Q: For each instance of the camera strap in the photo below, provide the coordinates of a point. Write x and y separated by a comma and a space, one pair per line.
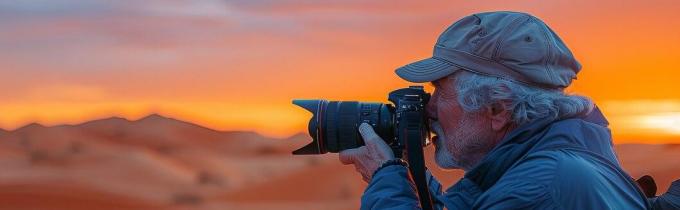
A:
416, 158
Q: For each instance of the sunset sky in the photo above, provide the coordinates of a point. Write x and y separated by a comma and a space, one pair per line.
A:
236, 65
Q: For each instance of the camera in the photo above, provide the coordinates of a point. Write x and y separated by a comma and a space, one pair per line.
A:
334, 124
403, 125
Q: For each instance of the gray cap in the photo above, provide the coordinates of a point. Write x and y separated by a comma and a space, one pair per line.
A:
510, 45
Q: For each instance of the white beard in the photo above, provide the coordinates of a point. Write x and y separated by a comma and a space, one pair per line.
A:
442, 155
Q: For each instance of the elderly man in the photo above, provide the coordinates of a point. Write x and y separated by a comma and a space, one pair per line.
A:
500, 113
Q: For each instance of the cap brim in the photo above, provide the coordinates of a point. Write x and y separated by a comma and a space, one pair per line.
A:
426, 70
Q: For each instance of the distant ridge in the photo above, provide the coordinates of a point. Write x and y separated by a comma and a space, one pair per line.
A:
156, 116
157, 132
151, 118
30, 126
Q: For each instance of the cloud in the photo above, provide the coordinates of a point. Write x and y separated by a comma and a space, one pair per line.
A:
269, 51
21, 10
657, 118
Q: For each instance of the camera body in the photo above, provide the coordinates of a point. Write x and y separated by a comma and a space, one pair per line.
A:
334, 124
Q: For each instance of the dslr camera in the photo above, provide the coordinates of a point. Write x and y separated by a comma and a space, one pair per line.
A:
334, 124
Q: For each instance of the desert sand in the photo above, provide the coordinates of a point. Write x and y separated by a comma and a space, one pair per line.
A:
163, 163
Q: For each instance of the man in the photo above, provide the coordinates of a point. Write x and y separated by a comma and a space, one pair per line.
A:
500, 113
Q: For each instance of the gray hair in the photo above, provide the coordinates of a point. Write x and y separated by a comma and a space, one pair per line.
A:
526, 103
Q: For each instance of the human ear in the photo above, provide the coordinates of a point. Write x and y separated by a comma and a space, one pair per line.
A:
499, 115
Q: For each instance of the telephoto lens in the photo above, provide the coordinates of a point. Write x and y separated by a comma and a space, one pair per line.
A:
334, 124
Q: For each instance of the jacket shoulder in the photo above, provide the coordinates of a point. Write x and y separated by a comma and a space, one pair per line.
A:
565, 179
527, 185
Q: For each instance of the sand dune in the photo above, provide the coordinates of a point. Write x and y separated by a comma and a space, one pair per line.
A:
163, 163
660, 161
67, 196
317, 182
157, 161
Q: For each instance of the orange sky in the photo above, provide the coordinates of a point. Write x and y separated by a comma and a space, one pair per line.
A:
236, 65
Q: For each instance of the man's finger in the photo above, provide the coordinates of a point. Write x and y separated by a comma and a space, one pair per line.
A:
368, 134
349, 156
372, 139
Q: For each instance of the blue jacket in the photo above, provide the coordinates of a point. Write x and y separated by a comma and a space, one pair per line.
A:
564, 164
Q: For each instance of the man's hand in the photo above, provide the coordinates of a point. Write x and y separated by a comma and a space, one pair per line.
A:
368, 158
